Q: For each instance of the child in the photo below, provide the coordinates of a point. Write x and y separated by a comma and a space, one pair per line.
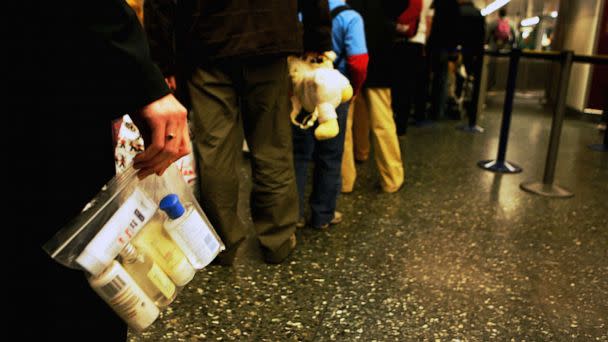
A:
348, 40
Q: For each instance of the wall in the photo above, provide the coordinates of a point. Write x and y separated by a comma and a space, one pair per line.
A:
580, 20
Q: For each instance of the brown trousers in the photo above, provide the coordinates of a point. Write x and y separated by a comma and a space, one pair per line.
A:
251, 98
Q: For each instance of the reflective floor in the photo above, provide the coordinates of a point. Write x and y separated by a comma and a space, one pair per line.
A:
459, 254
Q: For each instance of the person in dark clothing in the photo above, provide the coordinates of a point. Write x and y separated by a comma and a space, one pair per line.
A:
442, 43
409, 88
230, 58
74, 70
472, 33
372, 112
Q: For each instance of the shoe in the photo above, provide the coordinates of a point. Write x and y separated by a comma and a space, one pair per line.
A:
338, 217
282, 253
361, 160
301, 223
227, 257
382, 189
346, 191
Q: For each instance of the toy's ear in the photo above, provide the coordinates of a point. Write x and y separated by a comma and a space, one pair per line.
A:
330, 55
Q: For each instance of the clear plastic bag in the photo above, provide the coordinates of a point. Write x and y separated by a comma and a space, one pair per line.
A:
139, 242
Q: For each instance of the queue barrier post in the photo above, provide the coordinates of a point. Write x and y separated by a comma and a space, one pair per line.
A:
546, 187
500, 165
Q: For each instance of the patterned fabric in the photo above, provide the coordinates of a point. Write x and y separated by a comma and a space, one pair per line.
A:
128, 143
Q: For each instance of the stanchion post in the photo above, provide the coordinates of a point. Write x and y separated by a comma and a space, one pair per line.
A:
546, 187
500, 165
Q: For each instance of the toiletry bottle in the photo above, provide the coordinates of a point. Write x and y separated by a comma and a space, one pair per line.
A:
117, 288
188, 229
151, 278
154, 241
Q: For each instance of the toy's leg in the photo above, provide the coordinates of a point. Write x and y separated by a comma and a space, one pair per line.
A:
296, 107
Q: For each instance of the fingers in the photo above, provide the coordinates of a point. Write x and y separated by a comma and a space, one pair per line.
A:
169, 139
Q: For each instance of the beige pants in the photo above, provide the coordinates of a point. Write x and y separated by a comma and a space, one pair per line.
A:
371, 111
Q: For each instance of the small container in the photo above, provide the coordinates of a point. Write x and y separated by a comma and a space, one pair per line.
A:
155, 242
148, 275
117, 288
189, 231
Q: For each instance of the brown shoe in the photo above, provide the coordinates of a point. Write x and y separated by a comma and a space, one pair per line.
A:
227, 257
282, 253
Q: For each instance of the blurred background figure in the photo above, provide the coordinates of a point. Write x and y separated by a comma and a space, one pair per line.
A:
409, 87
372, 110
442, 43
471, 38
502, 33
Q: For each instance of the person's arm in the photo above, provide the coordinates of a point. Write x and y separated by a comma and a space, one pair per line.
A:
317, 25
357, 57
113, 26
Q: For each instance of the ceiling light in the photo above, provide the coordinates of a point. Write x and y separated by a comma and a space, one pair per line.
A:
494, 6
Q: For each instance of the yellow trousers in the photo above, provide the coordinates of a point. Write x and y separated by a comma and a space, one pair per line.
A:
371, 111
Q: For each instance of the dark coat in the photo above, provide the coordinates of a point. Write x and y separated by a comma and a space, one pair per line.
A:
380, 18
471, 28
75, 66
194, 32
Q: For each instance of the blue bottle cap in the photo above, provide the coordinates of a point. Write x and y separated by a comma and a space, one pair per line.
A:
171, 205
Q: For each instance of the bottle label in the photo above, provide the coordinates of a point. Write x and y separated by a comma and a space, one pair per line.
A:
126, 222
198, 237
127, 299
161, 281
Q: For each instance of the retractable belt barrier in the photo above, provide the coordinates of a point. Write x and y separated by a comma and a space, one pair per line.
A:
546, 187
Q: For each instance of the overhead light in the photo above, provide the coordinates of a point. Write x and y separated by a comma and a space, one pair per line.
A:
554, 14
494, 6
530, 21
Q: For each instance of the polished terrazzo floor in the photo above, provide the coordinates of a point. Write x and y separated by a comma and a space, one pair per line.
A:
459, 254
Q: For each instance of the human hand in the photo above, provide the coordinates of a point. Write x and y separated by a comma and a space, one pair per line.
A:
400, 28
171, 82
164, 128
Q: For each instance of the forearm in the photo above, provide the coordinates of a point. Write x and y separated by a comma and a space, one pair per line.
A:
357, 69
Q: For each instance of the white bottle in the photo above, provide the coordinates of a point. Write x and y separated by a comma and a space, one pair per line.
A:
189, 231
117, 288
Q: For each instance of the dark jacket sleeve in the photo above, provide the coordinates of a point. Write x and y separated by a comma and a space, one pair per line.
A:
317, 25
114, 27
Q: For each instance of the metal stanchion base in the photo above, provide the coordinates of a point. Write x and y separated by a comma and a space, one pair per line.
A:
470, 129
547, 190
498, 166
599, 147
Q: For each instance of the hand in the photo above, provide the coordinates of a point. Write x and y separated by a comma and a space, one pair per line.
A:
164, 127
402, 28
171, 82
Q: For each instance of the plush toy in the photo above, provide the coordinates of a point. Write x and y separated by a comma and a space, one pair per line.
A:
318, 88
